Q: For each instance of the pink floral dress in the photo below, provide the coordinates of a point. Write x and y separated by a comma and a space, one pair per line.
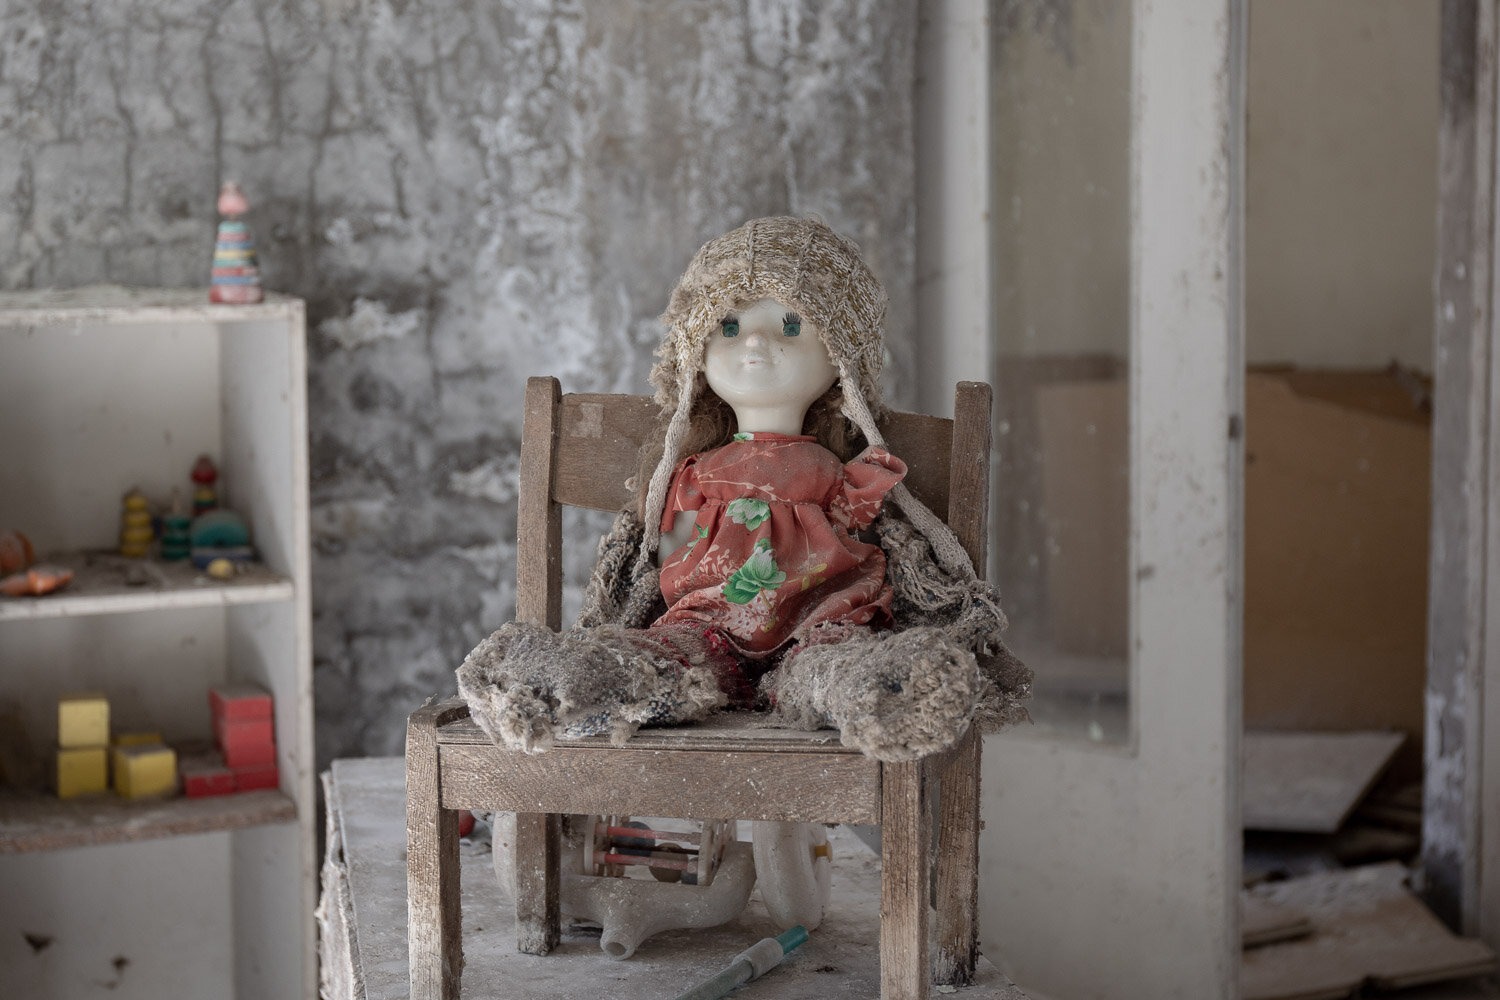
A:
772, 553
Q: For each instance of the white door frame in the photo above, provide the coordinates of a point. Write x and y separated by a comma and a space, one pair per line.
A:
1114, 872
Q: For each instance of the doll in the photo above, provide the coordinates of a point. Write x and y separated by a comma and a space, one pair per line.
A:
774, 559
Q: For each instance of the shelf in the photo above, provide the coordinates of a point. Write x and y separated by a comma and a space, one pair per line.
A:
105, 583
103, 389
34, 822
116, 304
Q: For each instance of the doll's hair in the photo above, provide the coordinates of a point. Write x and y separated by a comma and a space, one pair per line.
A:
711, 425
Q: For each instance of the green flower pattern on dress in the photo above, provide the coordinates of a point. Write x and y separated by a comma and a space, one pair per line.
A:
759, 573
699, 533
751, 513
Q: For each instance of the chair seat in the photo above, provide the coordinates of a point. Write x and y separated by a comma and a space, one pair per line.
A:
721, 768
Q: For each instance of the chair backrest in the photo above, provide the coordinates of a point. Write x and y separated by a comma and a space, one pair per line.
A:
580, 449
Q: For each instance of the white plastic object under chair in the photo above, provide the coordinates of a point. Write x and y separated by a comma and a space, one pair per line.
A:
794, 868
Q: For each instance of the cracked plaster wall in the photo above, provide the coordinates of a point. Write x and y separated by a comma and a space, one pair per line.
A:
466, 193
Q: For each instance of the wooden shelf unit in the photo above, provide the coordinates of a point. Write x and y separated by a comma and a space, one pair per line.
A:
101, 390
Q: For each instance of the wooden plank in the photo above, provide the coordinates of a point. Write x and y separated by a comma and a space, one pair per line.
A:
1310, 782
117, 305
106, 583
35, 822
335, 913
924, 442
1263, 922
727, 731
1463, 423
538, 517
808, 788
958, 863
600, 437
958, 770
968, 505
538, 885
1368, 927
905, 861
263, 379
435, 941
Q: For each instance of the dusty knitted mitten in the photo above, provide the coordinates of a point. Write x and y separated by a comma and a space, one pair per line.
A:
893, 695
526, 684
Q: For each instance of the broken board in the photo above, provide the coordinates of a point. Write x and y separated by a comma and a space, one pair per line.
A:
1310, 782
363, 921
1367, 927
1263, 922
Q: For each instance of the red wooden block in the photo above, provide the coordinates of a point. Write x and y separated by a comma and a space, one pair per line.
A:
239, 701
248, 754
243, 731
207, 779
249, 778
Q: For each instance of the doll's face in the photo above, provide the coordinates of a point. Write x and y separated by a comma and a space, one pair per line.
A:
768, 356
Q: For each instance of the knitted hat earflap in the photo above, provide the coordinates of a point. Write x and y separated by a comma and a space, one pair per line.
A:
661, 476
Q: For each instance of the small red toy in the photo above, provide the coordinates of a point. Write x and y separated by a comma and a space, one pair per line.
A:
239, 701
245, 733
206, 779
16, 552
247, 779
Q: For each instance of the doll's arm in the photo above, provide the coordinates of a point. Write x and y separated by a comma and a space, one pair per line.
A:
676, 536
867, 480
680, 512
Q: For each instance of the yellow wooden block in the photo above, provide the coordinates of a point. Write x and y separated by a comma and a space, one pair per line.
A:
143, 771
144, 738
82, 721
81, 771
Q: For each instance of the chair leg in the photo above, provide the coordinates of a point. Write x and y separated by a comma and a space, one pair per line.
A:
958, 863
433, 920
905, 852
538, 889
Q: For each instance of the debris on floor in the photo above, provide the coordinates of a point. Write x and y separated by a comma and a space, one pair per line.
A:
1265, 922
1366, 927
1306, 782
1311, 803
1327, 908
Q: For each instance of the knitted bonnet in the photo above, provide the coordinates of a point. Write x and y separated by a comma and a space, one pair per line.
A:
807, 267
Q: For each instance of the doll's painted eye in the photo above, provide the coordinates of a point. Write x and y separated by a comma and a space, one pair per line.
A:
791, 325
731, 326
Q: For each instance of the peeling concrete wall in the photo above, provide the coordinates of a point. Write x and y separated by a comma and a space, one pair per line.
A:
467, 194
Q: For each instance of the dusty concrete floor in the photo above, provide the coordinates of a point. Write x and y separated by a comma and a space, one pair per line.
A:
841, 959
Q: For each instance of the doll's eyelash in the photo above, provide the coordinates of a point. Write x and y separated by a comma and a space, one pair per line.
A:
791, 325
730, 326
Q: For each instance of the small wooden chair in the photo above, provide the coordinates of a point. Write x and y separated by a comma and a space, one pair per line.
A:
579, 449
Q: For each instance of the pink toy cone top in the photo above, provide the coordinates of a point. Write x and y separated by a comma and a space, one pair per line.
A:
236, 273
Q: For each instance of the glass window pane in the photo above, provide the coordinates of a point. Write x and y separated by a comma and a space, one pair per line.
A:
1061, 153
